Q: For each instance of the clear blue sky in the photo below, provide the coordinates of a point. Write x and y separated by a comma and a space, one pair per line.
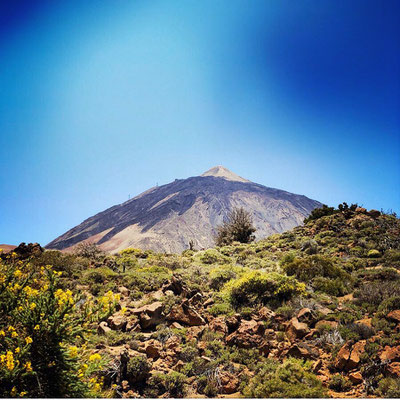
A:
102, 99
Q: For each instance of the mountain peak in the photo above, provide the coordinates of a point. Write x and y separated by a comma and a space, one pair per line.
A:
220, 171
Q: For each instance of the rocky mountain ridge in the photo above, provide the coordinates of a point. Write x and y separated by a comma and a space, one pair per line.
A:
167, 217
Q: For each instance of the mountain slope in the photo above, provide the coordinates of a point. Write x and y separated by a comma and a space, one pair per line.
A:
166, 218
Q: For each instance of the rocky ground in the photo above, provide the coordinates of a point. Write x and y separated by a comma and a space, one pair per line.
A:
314, 312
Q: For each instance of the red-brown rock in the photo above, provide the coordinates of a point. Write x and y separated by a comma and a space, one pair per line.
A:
305, 315
103, 328
229, 383
394, 315
303, 351
218, 325
153, 348
348, 357
150, 315
185, 314
394, 369
390, 354
117, 322
249, 334
296, 330
356, 378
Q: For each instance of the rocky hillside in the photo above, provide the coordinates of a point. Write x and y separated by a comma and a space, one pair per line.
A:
168, 217
313, 312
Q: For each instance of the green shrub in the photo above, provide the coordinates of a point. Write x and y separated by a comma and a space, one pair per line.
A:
334, 287
375, 293
378, 274
389, 387
307, 268
374, 254
219, 276
220, 309
173, 384
138, 369
292, 378
257, 287
339, 384
213, 256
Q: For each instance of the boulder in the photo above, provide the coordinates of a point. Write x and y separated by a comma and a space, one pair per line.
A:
296, 330
348, 356
124, 291
361, 210
176, 285
249, 334
265, 314
233, 322
103, 328
303, 351
317, 366
229, 383
153, 348
305, 315
196, 299
394, 369
356, 378
25, 251
342, 357
356, 352
185, 314
390, 354
117, 322
394, 315
218, 325
176, 325
150, 315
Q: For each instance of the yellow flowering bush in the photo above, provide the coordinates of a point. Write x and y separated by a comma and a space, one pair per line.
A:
40, 328
260, 287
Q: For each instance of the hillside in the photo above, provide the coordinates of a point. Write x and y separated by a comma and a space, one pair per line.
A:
313, 312
168, 217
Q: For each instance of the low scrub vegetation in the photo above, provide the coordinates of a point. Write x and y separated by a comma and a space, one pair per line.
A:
313, 312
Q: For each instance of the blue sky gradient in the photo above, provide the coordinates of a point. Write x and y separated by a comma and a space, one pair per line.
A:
100, 100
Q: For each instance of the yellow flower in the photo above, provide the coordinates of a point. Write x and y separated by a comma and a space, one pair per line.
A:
73, 351
95, 357
17, 350
36, 328
28, 340
32, 306
28, 366
2, 333
10, 361
17, 273
11, 328
22, 394
20, 308
14, 334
